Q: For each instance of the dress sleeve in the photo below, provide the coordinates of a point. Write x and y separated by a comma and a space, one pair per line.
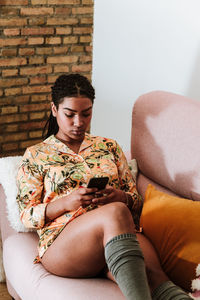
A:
128, 184
30, 192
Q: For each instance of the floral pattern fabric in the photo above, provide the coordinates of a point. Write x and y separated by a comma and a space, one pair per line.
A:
50, 170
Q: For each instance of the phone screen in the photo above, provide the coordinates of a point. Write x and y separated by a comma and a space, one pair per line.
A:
98, 182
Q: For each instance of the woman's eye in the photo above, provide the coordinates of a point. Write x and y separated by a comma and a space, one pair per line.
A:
69, 116
86, 115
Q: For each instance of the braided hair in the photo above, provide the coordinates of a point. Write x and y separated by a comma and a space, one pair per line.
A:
71, 85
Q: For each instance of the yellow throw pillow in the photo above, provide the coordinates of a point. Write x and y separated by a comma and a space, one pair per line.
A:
173, 226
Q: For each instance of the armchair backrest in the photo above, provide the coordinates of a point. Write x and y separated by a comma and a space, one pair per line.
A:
165, 141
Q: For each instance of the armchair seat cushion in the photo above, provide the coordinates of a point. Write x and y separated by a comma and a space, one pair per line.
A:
40, 284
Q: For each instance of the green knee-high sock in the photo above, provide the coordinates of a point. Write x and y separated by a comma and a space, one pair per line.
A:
126, 263
169, 291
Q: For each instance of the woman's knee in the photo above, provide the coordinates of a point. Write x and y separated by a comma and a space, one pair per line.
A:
117, 211
116, 220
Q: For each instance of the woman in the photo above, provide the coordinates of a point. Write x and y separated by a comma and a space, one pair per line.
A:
54, 198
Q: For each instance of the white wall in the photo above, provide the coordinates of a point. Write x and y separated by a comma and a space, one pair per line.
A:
140, 46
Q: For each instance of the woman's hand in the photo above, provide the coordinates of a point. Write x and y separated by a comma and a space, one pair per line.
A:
108, 195
80, 197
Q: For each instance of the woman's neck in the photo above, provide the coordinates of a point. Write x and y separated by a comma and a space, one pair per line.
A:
73, 145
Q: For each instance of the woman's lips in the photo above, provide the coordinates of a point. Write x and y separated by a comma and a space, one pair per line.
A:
78, 132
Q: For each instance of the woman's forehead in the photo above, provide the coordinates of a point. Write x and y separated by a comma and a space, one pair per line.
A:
76, 103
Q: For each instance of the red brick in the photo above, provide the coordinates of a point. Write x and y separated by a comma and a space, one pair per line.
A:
36, 11
70, 40
35, 107
26, 51
87, 2
62, 21
61, 69
63, 30
62, 10
36, 41
9, 52
36, 89
13, 118
35, 134
15, 137
86, 39
13, 81
88, 20
32, 125
37, 115
11, 31
9, 11
9, 72
82, 68
77, 48
61, 2
24, 145
36, 70
38, 80
60, 50
88, 48
38, 2
38, 98
11, 128
53, 40
9, 146
9, 22
36, 21
82, 30
13, 91
62, 59
7, 100
43, 51
22, 99
82, 10
36, 60
16, 2
37, 31
52, 78
13, 42
85, 58
9, 110
1, 92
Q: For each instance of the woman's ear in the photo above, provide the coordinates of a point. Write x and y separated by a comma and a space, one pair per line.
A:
53, 109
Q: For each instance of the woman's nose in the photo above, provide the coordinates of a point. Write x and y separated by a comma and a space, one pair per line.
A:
78, 121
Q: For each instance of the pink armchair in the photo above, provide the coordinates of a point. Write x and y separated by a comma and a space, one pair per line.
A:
165, 142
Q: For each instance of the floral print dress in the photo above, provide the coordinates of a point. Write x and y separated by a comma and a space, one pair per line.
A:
50, 170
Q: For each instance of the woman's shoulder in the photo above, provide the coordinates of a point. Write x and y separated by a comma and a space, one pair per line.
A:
41, 147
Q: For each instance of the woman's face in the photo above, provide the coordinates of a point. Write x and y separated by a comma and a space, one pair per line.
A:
73, 117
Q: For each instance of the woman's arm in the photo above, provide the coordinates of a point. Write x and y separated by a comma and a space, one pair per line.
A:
30, 189
126, 191
33, 212
79, 197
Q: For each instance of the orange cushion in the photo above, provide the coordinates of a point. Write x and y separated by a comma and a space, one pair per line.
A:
173, 226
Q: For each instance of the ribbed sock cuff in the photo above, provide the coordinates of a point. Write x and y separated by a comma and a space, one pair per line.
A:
168, 291
123, 236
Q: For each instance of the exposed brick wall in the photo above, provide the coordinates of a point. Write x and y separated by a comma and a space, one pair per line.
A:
40, 39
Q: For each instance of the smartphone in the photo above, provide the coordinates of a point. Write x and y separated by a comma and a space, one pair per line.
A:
98, 182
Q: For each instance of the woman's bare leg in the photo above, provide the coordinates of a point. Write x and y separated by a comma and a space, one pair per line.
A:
79, 249
155, 274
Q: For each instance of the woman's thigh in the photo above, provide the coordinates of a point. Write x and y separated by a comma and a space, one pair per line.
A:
78, 251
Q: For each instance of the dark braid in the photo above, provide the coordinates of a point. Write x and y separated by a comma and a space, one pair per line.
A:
71, 85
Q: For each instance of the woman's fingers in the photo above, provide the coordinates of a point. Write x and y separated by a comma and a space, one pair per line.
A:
105, 198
